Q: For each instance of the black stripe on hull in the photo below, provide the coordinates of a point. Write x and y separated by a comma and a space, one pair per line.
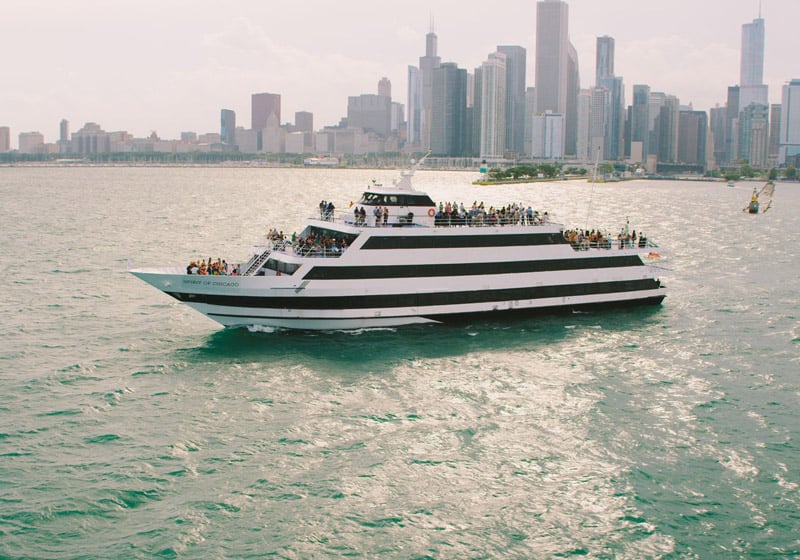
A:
387, 301
467, 269
478, 315
463, 241
549, 310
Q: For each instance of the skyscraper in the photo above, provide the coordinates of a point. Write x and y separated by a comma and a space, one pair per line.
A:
573, 90
493, 106
752, 62
385, 87
692, 133
304, 121
515, 96
667, 128
227, 126
414, 121
751, 74
266, 109
63, 136
640, 123
754, 134
557, 75
790, 121
370, 112
615, 110
552, 55
449, 110
604, 67
427, 64
5, 139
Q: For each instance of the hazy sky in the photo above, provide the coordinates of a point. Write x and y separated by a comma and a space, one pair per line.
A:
171, 65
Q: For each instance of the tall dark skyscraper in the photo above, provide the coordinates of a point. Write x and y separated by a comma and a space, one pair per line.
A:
449, 110
266, 107
604, 67
640, 122
227, 129
515, 96
427, 64
615, 110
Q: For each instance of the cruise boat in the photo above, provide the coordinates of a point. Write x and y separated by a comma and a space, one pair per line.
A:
418, 264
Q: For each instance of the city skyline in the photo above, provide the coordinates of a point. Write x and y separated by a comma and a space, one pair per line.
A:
128, 70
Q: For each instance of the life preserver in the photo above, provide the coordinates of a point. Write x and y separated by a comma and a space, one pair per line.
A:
431, 212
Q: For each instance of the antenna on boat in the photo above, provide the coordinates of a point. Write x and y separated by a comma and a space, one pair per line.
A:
404, 182
591, 192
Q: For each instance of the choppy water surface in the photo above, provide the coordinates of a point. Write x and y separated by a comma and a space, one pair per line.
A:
134, 427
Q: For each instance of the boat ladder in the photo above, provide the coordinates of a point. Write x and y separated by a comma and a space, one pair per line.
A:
256, 263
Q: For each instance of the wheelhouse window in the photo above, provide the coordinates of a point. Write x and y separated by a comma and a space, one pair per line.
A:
282, 267
381, 199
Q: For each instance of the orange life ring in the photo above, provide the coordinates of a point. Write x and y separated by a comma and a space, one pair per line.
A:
431, 212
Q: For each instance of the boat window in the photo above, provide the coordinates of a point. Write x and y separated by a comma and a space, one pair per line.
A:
379, 199
280, 266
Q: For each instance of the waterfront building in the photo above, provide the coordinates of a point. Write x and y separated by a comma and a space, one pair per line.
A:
266, 108
754, 135
448, 115
548, 135
515, 96
370, 112
493, 106
5, 139
295, 143
31, 142
91, 139
790, 122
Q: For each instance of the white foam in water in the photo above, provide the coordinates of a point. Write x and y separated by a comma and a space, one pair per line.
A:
261, 328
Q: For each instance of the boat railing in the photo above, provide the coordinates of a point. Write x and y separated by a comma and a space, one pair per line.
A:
439, 221
613, 244
257, 261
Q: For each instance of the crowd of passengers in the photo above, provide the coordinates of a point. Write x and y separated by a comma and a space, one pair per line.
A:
212, 268
455, 214
585, 239
313, 244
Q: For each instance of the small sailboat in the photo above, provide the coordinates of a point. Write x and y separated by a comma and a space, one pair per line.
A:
761, 197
